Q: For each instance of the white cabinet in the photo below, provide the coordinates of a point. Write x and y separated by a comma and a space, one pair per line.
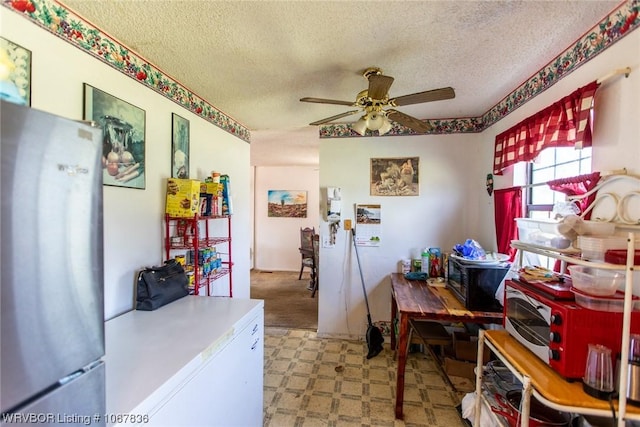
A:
194, 362
227, 390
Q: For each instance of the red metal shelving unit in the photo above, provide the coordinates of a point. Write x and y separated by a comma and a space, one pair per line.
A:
195, 239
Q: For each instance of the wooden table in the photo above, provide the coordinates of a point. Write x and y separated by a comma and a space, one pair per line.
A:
415, 299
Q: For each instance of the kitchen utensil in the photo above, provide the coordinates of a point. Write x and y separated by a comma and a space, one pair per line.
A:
634, 348
633, 383
633, 370
598, 374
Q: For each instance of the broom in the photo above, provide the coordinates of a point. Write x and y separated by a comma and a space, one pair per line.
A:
374, 336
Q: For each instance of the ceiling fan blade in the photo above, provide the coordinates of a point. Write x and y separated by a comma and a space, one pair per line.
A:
379, 86
332, 118
328, 101
408, 121
428, 96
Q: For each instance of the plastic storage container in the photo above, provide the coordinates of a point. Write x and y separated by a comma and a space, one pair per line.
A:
596, 281
619, 256
541, 232
603, 303
594, 247
597, 228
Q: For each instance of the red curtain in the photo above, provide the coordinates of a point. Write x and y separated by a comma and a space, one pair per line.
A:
508, 207
577, 186
566, 123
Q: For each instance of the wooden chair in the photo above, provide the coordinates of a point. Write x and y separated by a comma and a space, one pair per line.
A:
306, 250
315, 272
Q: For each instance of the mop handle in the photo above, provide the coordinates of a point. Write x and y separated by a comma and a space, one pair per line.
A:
364, 290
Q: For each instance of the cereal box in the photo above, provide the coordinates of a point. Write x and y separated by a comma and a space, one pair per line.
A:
214, 188
205, 203
183, 197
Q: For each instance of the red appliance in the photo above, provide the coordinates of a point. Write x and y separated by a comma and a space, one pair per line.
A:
619, 256
555, 290
559, 331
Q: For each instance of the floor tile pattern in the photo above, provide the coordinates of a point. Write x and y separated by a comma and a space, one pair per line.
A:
311, 381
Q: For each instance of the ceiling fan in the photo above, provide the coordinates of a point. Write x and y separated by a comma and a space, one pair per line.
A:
373, 101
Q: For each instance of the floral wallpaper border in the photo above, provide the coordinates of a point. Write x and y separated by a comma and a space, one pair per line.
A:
60, 21
68, 26
612, 28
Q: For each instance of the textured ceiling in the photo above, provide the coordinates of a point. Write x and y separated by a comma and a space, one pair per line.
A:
254, 60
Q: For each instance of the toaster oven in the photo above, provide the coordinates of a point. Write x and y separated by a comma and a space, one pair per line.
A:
559, 331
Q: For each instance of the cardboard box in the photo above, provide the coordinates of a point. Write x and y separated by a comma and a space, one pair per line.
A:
183, 197
213, 188
465, 347
459, 368
205, 203
227, 208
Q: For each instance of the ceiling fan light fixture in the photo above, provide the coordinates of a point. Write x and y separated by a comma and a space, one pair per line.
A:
386, 126
360, 127
375, 120
373, 100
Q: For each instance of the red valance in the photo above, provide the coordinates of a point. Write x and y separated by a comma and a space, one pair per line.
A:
565, 123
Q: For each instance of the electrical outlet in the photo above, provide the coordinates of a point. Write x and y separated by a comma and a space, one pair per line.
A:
347, 224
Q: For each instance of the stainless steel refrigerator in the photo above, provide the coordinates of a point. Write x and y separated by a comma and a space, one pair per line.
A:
51, 261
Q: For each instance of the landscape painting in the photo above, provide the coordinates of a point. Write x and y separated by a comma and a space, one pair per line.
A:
287, 203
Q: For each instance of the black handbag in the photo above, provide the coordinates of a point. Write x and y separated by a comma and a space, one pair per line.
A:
158, 286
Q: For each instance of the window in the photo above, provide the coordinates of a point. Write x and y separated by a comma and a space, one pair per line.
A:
553, 163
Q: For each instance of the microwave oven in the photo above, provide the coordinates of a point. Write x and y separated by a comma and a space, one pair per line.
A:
475, 285
559, 331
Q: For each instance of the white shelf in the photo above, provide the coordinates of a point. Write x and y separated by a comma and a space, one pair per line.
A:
546, 385
538, 379
569, 257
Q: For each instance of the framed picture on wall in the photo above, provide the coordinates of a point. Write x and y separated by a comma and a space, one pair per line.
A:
123, 134
15, 73
179, 147
397, 176
287, 203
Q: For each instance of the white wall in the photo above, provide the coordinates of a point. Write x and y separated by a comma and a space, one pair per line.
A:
133, 217
616, 142
277, 239
453, 204
439, 216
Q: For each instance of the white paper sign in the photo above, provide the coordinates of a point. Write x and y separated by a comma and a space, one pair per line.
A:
368, 225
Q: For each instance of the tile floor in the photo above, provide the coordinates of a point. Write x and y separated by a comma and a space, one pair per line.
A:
328, 382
